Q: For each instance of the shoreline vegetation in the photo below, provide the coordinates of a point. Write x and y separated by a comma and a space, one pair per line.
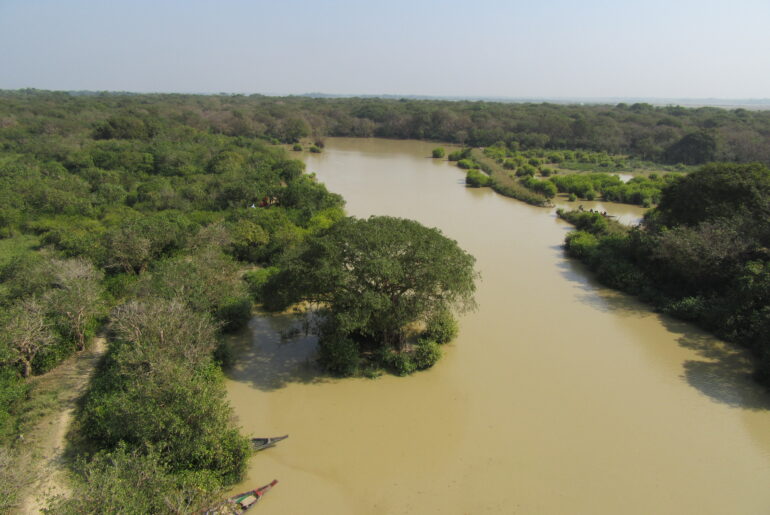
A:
164, 218
701, 255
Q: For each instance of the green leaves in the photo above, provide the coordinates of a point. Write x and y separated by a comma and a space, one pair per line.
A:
376, 277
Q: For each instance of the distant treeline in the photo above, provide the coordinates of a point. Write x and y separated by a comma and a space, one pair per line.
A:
671, 134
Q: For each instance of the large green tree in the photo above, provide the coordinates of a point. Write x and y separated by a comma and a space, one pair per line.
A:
375, 278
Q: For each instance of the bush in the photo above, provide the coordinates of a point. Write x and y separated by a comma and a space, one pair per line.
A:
401, 363
456, 155
256, 280
581, 244
426, 355
315, 149
466, 164
526, 170
234, 312
438, 153
441, 328
297, 147
121, 481
338, 354
13, 392
476, 179
687, 308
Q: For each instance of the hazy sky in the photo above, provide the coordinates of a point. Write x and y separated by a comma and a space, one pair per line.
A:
545, 48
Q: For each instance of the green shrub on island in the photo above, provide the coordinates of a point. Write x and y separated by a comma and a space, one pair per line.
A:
315, 149
297, 147
338, 353
545, 188
581, 244
426, 354
477, 179
467, 164
526, 170
441, 327
400, 363
458, 155
438, 153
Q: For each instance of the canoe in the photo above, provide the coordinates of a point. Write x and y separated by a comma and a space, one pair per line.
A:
257, 444
241, 503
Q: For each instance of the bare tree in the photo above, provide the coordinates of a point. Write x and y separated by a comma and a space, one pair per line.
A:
164, 329
76, 297
27, 332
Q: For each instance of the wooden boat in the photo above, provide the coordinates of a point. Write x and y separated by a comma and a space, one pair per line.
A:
241, 503
257, 444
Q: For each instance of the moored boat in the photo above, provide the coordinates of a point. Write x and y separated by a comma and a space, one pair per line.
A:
241, 503
257, 444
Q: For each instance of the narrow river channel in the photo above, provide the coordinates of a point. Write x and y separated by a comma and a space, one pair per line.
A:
558, 396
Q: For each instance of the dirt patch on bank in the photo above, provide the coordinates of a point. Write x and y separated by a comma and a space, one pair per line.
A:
46, 442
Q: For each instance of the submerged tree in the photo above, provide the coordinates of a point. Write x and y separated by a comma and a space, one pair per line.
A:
375, 277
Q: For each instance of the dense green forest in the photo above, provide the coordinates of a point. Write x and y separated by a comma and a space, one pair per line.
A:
666, 134
140, 225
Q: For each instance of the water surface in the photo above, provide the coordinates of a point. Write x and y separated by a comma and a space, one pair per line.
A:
558, 396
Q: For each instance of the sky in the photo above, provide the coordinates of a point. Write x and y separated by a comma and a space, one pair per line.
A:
485, 48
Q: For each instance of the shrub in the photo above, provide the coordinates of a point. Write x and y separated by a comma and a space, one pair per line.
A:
256, 281
466, 164
234, 312
476, 179
438, 152
526, 170
441, 327
687, 308
315, 149
400, 362
338, 354
581, 244
426, 355
120, 481
297, 147
456, 155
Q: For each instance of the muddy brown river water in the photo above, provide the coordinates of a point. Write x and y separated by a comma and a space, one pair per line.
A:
558, 396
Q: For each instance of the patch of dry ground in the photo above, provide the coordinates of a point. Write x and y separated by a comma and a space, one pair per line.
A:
46, 441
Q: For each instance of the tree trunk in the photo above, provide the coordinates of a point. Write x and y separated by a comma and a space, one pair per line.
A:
27, 367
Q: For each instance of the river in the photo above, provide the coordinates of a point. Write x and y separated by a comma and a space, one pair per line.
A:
558, 396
